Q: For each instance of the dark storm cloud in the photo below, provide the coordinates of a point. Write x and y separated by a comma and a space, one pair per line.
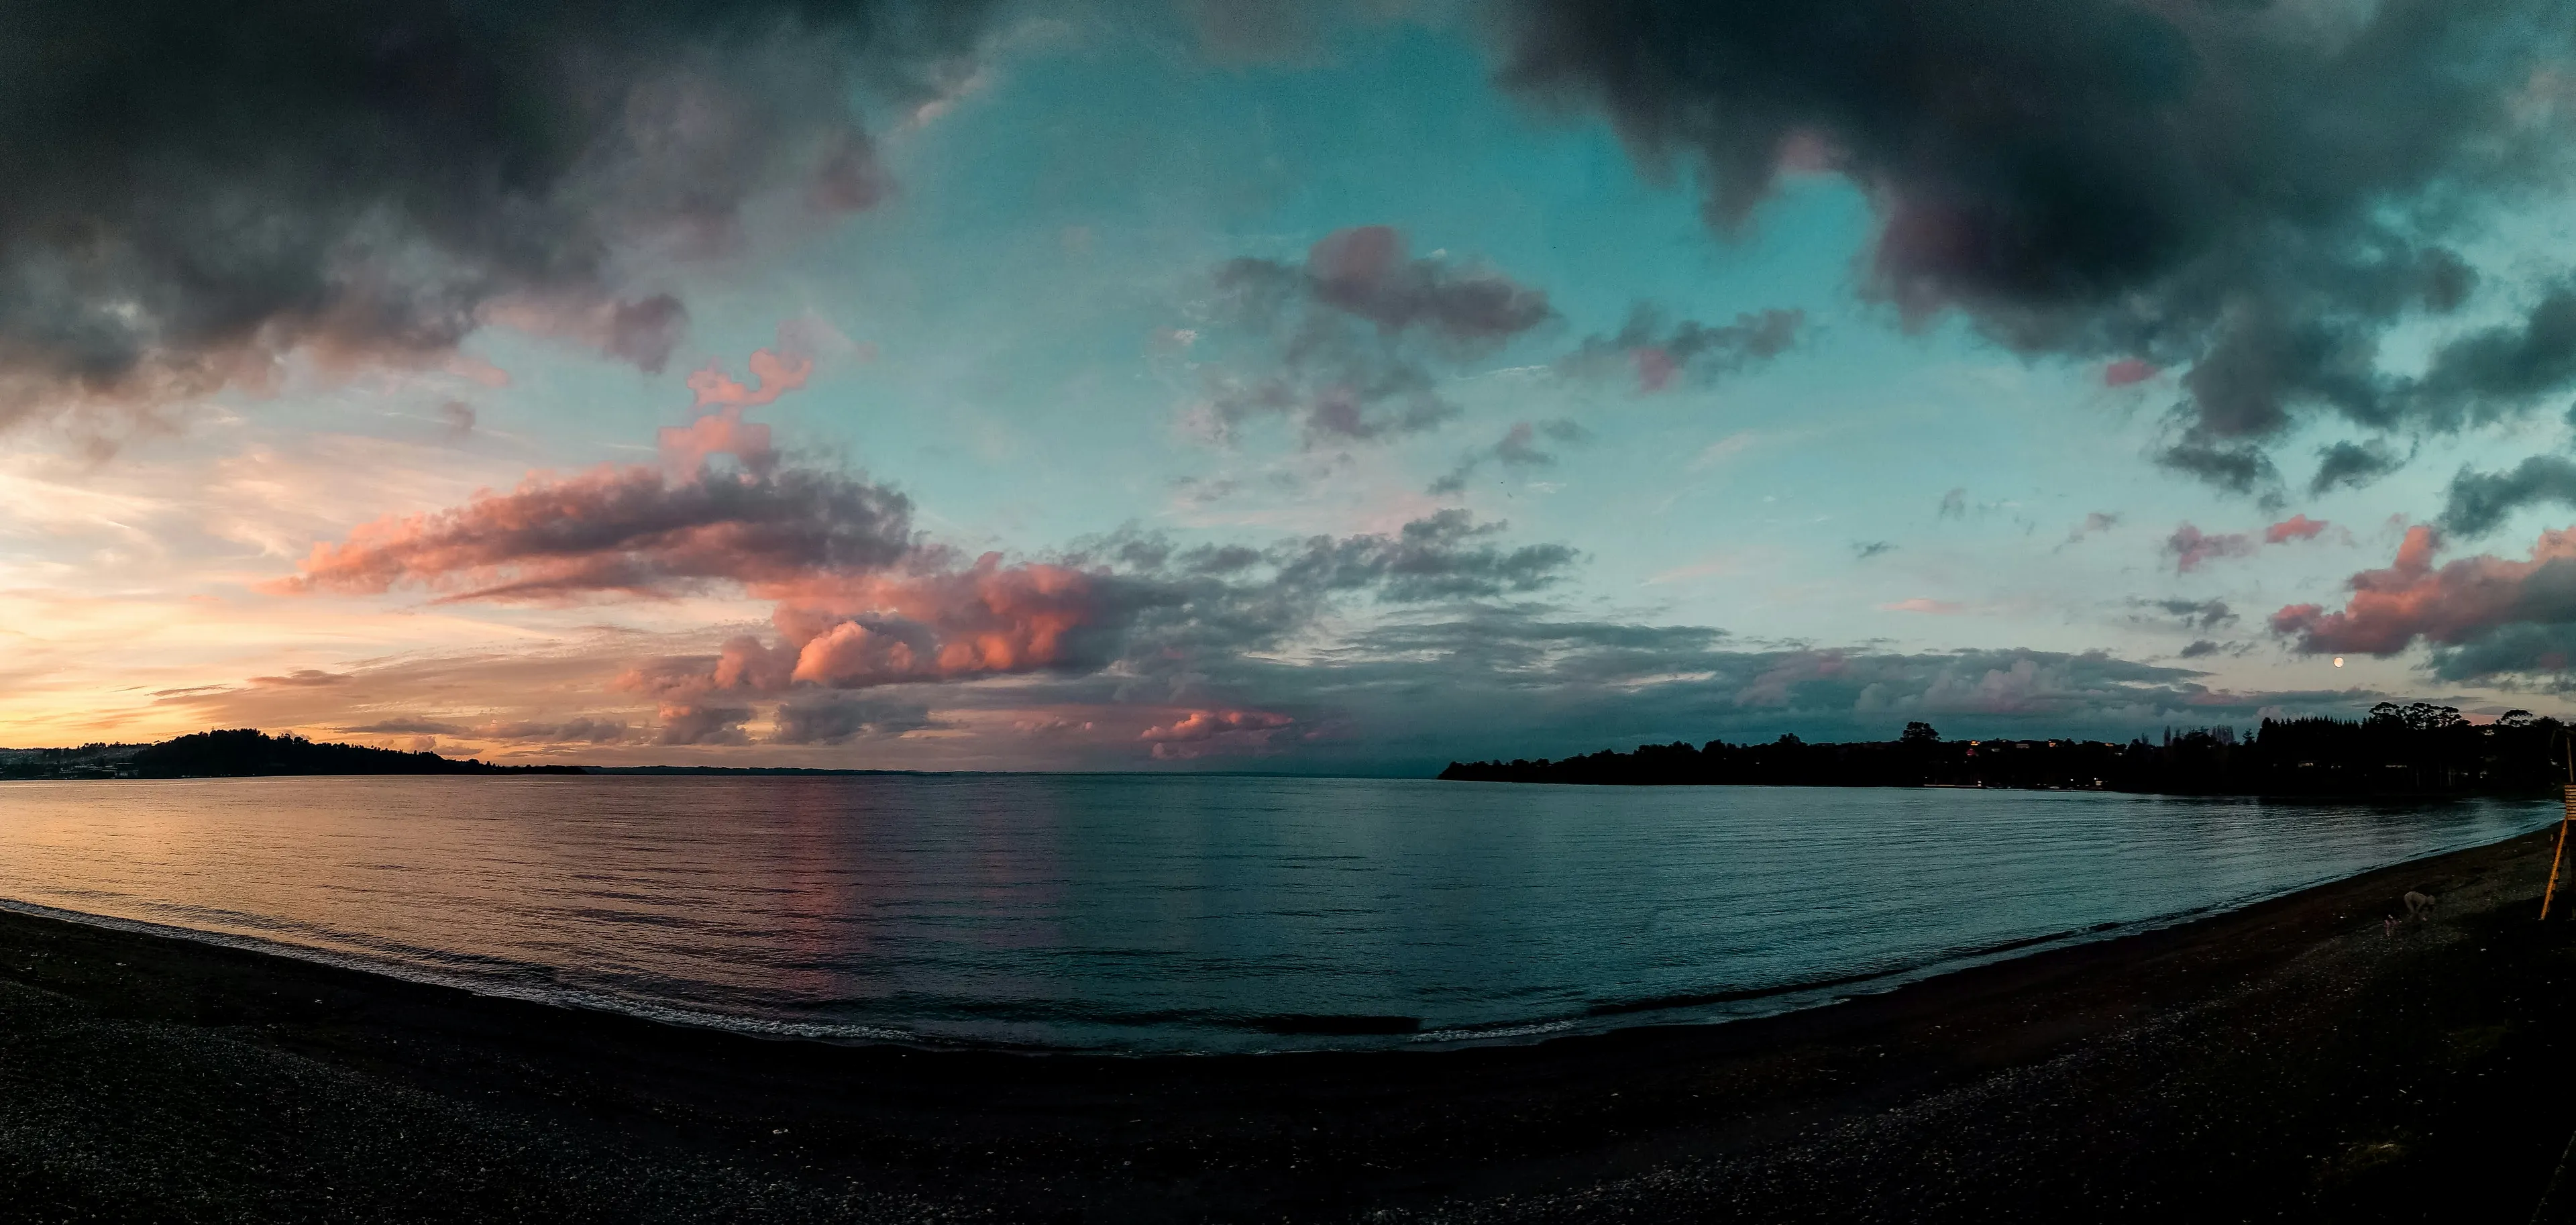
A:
1657, 354
196, 191
1346, 344
2254, 192
2497, 369
2351, 465
2238, 468
2480, 501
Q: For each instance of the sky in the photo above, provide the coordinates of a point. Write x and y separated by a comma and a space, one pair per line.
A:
1191, 384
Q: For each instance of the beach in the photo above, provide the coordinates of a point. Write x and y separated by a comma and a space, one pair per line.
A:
2290, 1060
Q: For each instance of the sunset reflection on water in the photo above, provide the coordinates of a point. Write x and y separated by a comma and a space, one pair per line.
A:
1146, 912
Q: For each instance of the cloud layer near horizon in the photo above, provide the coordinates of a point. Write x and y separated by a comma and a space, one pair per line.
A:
1444, 682
862, 600
1372, 650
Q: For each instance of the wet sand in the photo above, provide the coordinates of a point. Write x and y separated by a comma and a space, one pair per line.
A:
2285, 1061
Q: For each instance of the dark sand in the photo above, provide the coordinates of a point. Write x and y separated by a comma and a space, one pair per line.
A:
2287, 1061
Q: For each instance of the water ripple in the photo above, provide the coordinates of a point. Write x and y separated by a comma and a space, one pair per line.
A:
1168, 913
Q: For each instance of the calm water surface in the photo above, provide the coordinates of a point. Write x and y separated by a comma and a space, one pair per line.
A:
1166, 913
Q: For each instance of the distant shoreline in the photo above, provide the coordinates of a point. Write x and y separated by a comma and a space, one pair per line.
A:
2413, 751
2322, 797
784, 770
573, 770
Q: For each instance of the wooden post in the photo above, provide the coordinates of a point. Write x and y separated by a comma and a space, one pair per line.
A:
2566, 815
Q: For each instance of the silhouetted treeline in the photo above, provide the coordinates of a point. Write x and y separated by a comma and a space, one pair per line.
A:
2397, 750
93, 760
241, 752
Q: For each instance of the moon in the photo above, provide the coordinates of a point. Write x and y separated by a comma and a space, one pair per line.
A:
2338, 661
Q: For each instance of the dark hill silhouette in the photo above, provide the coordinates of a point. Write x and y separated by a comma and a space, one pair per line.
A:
243, 752
2397, 750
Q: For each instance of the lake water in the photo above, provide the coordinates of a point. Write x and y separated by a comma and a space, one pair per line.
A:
1162, 912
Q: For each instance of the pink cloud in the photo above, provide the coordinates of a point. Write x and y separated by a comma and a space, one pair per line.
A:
772, 375
2391, 608
1206, 724
985, 620
2296, 527
687, 448
1920, 604
858, 599
858, 630
632, 530
2189, 546
2126, 371
1200, 731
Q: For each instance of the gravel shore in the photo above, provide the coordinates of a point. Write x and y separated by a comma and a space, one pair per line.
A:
2289, 1061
